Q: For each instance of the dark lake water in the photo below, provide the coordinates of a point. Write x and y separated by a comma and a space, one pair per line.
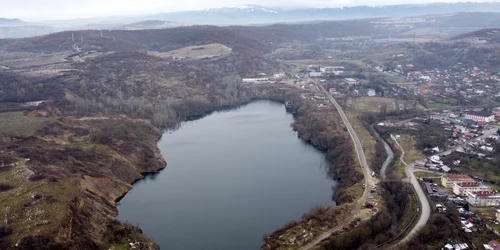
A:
231, 177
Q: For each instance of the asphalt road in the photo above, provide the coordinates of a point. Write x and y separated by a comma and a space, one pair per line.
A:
366, 172
424, 203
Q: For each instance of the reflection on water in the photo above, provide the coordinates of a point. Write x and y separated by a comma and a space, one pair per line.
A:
231, 177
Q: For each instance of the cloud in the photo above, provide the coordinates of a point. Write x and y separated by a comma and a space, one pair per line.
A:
35, 10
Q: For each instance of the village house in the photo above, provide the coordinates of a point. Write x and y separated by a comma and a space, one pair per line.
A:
480, 116
350, 81
449, 180
315, 74
483, 198
256, 80
464, 187
332, 69
457, 246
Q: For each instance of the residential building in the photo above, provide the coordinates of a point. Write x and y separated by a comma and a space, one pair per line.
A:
496, 111
332, 69
480, 116
351, 81
256, 80
483, 198
464, 187
315, 74
448, 180
456, 246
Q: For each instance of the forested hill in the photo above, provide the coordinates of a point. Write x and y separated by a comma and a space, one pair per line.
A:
255, 39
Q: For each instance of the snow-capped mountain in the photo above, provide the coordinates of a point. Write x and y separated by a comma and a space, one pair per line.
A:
254, 14
242, 8
470, 14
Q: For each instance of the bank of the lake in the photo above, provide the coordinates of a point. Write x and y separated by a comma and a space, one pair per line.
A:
231, 177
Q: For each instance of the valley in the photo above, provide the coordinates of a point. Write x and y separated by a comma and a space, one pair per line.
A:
83, 115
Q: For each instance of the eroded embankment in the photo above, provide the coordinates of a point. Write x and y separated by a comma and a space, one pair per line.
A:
66, 178
323, 128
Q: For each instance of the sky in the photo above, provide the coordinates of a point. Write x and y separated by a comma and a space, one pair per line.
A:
38, 10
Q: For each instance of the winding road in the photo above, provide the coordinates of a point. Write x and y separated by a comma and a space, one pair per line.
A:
425, 206
366, 172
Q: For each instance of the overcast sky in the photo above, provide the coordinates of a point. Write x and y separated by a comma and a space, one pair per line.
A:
37, 10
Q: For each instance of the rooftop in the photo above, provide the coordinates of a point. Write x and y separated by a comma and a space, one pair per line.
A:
485, 194
457, 177
470, 184
483, 114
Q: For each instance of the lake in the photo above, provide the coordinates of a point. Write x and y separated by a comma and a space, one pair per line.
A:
231, 177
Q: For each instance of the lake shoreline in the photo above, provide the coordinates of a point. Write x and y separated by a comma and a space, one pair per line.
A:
289, 130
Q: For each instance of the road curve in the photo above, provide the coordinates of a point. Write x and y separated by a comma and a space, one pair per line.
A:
366, 172
425, 207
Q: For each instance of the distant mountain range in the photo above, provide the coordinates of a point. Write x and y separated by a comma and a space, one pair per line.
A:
7, 21
259, 15
253, 14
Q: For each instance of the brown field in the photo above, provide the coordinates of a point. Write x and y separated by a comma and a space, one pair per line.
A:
373, 104
196, 52
407, 39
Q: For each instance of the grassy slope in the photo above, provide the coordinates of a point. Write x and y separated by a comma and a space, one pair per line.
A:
364, 135
411, 153
16, 124
46, 206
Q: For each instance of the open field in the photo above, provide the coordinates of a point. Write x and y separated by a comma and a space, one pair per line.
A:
411, 152
332, 62
400, 169
406, 40
369, 143
45, 203
426, 175
373, 104
398, 80
196, 52
16, 60
16, 124
438, 105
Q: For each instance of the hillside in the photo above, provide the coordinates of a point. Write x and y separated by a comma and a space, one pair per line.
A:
240, 38
93, 127
486, 35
